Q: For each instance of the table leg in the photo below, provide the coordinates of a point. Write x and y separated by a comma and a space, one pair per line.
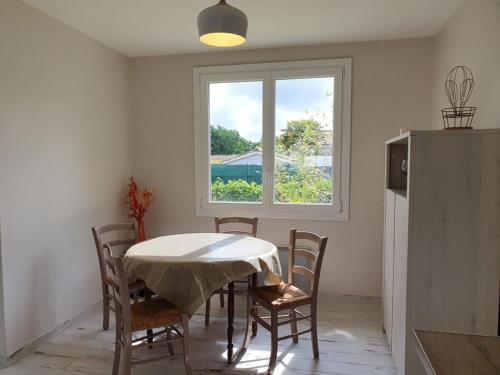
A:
248, 312
230, 321
255, 282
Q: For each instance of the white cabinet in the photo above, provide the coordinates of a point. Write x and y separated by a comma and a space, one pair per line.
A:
388, 262
442, 237
400, 279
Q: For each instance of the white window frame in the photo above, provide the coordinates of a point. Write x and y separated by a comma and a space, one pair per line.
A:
268, 73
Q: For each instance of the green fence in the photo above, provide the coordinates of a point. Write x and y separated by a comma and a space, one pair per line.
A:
248, 172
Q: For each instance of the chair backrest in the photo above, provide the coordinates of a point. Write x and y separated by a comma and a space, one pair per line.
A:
117, 280
121, 235
314, 254
237, 220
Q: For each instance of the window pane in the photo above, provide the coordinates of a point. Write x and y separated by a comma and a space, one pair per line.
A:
304, 141
236, 139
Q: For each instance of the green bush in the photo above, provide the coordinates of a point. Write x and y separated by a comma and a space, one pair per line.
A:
236, 191
302, 184
296, 191
288, 189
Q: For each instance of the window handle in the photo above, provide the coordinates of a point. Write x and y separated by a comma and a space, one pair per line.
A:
268, 176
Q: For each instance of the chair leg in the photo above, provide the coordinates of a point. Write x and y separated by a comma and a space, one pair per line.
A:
274, 342
105, 311
314, 331
118, 344
293, 326
147, 295
254, 326
169, 344
185, 343
221, 296
207, 312
147, 298
149, 333
127, 352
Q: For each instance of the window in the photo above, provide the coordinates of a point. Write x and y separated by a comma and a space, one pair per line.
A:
273, 140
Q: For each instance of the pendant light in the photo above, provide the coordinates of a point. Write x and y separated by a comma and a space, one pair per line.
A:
222, 25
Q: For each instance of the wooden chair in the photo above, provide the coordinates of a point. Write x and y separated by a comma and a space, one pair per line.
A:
252, 222
145, 315
123, 236
287, 297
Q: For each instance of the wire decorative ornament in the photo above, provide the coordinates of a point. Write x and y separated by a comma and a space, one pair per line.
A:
458, 86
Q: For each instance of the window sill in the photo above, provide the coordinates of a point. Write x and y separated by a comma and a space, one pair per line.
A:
299, 213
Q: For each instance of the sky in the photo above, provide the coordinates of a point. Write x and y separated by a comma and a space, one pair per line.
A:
238, 105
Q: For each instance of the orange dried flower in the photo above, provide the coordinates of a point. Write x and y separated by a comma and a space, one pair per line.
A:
138, 203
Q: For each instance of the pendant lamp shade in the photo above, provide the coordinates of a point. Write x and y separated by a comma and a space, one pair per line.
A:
222, 25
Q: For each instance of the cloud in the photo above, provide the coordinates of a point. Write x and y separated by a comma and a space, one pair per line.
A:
238, 105
283, 115
322, 114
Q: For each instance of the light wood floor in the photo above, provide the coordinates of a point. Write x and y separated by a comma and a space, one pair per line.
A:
351, 342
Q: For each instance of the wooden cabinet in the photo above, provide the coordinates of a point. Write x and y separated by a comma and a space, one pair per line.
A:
442, 237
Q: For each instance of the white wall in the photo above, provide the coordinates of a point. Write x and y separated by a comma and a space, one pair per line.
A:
64, 146
391, 90
472, 38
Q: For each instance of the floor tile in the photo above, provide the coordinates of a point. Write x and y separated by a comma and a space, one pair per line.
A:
351, 343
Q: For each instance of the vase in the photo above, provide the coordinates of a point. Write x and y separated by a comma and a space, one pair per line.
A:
140, 230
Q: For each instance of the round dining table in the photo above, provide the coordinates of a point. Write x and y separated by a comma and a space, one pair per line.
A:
186, 269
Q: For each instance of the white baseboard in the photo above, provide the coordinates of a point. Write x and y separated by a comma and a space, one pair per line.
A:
6, 361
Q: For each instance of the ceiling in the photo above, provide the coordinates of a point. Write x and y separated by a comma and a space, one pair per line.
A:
161, 27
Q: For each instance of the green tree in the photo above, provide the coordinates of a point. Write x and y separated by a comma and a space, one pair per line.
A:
302, 182
301, 133
229, 142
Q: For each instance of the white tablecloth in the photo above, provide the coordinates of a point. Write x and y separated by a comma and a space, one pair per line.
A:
187, 268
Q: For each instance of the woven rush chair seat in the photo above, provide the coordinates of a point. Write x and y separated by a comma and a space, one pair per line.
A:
280, 297
156, 313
